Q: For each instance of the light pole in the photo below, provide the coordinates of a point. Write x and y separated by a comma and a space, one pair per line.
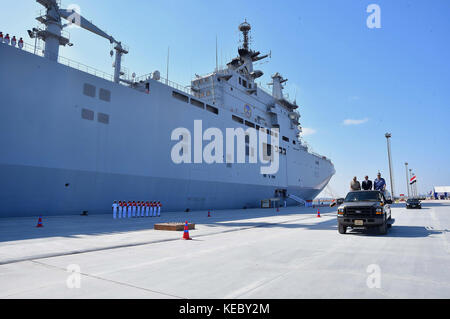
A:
414, 186
407, 179
388, 136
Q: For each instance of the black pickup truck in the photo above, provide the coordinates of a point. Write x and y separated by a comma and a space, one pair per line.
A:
413, 203
364, 209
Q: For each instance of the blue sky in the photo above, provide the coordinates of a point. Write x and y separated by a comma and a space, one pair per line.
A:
394, 79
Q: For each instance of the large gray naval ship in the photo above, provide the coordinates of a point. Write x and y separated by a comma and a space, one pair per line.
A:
74, 139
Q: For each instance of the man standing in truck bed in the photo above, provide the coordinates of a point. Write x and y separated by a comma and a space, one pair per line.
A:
355, 185
379, 183
367, 184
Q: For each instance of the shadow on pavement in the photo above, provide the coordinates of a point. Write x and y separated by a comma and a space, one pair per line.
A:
399, 231
24, 228
13, 229
291, 224
437, 204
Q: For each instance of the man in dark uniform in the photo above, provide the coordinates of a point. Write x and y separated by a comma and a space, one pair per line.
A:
367, 184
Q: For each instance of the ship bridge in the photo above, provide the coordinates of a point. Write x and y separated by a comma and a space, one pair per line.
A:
234, 87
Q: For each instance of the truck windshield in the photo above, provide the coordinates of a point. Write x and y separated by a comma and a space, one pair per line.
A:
362, 197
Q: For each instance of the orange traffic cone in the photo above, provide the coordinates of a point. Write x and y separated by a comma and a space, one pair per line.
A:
318, 214
39, 224
186, 232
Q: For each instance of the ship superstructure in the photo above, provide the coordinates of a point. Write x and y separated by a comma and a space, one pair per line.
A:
76, 140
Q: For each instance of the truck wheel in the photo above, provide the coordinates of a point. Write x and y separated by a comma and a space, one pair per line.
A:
342, 228
383, 228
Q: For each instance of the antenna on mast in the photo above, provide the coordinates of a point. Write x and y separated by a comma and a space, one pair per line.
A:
167, 74
217, 66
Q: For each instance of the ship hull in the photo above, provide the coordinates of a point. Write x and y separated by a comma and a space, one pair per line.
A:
32, 191
55, 160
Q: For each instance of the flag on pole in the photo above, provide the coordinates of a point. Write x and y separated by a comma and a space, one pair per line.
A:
412, 180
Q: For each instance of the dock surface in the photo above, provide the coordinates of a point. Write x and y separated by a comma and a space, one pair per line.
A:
254, 253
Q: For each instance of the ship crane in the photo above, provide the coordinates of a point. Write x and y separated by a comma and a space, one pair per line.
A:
53, 37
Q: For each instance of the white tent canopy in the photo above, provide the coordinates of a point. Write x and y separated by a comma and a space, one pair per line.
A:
442, 189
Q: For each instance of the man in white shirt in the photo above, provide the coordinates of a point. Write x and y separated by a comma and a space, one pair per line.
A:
130, 205
114, 209
159, 208
134, 209
142, 208
147, 208
138, 204
153, 211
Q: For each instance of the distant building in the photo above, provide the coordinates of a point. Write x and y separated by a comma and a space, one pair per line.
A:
441, 192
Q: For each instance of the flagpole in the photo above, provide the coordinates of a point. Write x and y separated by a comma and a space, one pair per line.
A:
415, 185
407, 179
410, 176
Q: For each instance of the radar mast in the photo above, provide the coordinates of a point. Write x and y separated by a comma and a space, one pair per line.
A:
244, 63
245, 28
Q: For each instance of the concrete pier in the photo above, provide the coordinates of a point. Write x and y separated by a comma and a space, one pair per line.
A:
256, 253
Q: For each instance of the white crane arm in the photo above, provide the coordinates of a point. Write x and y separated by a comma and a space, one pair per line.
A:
73, 17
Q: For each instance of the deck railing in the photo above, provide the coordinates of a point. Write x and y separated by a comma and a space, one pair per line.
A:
185, 89
38, 50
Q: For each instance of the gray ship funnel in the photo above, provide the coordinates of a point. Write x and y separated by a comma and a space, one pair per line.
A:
277, 83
